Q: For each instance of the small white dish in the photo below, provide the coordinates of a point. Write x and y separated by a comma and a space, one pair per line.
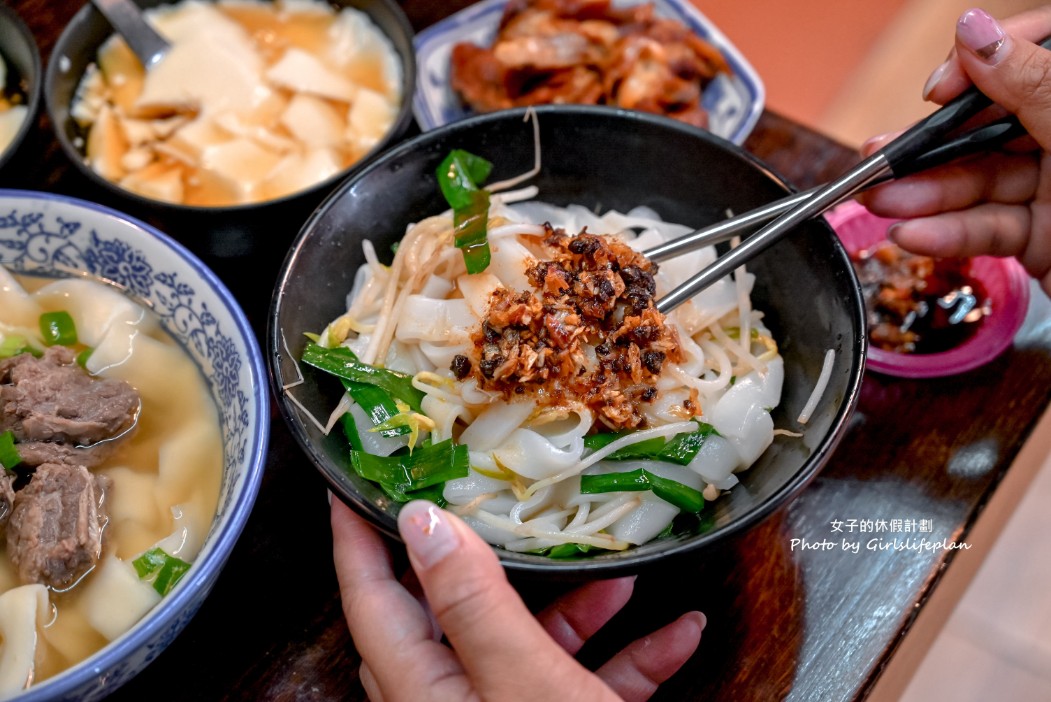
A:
733, 103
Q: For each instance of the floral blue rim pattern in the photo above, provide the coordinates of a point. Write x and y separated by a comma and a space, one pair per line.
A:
47, 234
734, 105
36, 241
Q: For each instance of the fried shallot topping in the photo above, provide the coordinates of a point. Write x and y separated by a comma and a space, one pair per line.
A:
588, 333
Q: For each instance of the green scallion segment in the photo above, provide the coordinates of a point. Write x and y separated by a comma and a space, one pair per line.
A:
350, 430
14, 344
459, 177
682, 496
83, 356
377, 403
9, 456
403, 475
460, 174
434, 493
569, 551
683, 448
643, 449
393, 490
680, 449
163, 571
472, 227
58, 329
343, 363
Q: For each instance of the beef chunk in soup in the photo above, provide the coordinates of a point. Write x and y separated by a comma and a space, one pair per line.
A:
7, 499
35, 453
52, 400
55, 530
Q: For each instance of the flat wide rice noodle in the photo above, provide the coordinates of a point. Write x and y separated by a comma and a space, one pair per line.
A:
493, 426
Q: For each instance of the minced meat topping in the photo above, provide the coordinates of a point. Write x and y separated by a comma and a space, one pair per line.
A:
588, 333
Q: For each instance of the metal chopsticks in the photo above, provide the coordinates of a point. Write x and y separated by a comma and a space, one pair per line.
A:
888, 161
971, 142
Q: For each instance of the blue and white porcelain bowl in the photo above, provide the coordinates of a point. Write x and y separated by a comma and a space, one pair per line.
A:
53, 235
734, 104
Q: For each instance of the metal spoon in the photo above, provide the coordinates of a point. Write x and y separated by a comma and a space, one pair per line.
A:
126, 18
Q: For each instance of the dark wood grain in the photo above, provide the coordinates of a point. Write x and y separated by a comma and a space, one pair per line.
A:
784, 623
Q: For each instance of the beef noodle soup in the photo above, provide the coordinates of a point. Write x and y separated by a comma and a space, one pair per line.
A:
112, 458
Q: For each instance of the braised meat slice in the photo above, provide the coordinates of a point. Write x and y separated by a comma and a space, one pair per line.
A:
53, 400
54, 534
588, 52
479, 78
35, 453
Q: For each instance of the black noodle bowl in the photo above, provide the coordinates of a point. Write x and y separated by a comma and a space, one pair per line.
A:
602, 159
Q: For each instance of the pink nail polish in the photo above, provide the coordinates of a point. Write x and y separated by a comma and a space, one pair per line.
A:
873, 144
935, 78
427, 532
980, 33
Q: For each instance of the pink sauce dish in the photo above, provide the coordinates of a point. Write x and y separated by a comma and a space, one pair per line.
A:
908, 312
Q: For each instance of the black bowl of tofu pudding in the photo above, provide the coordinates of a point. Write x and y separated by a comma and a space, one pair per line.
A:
257, 112
581, 432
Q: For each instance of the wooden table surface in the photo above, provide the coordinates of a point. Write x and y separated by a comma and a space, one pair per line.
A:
783, 623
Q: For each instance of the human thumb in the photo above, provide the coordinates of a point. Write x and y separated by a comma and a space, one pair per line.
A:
1012, 72
481, 614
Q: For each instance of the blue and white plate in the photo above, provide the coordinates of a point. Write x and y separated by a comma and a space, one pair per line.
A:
733, 103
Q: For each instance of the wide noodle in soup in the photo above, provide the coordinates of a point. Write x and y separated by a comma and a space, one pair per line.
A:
112, 459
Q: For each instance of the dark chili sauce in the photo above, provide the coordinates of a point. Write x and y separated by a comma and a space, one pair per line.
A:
918, 304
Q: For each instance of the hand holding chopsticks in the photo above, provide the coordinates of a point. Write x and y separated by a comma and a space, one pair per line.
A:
893, 160
972, 142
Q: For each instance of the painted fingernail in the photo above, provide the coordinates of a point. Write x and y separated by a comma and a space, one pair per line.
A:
935, 78
980, 33
892, 232
427, 532
873, 144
